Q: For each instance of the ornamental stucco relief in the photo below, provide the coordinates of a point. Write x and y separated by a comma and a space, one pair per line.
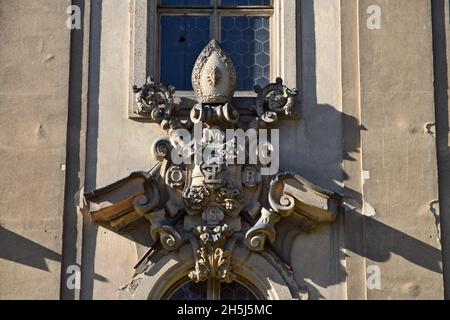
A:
212, 202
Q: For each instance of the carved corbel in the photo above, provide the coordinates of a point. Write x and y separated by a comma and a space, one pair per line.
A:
125, 201
129, 200
280, 202
290, 194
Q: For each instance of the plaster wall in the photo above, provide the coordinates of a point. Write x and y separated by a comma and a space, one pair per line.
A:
34, 81
400, 187
368, 130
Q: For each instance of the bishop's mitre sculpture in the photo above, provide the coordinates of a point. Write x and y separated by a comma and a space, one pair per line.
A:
211, 203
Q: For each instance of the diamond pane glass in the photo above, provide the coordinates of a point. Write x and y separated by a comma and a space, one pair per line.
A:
235, 3
182, 40
186, 3
247, 40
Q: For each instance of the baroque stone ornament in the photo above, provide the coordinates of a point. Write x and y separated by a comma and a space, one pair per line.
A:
273, 100
212, 201
214, 75
212, 258
155, 100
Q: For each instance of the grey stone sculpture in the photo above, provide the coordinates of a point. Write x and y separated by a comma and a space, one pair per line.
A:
211, 205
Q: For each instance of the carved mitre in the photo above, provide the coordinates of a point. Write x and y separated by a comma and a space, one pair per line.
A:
214, 75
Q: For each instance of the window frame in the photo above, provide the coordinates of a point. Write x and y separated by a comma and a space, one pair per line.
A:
213, 288
145, 40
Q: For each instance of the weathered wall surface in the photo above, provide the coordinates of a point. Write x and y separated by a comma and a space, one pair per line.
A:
366, 131
34, 76
441, 48
117, 146
400, 187
315, 149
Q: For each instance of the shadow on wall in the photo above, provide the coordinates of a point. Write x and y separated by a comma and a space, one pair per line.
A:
316, 154
19, 249
16, 248
442, 128
319, 162
90, 230
319, 159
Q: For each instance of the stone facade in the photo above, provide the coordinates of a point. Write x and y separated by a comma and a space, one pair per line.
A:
368, 142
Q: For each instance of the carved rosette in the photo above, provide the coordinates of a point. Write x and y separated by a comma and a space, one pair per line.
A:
155, 100
196, 197
273, 101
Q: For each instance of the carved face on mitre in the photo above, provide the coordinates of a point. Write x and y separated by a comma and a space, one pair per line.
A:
214, 75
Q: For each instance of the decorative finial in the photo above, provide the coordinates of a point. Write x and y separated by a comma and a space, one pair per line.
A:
214, 75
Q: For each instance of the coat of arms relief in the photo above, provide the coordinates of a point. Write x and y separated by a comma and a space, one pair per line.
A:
216, 182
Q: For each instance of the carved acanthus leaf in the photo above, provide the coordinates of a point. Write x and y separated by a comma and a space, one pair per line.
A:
212, 258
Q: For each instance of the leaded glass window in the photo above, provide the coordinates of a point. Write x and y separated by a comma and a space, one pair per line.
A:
242, 26
182, 39
199, 291
190, 291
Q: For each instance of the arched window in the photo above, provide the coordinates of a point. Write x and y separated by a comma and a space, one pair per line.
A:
225, 291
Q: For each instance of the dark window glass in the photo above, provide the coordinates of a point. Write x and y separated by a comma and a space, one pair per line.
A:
182, 40
186, 3
198, 291
190, 291
234, 3
247, 40
235, 291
